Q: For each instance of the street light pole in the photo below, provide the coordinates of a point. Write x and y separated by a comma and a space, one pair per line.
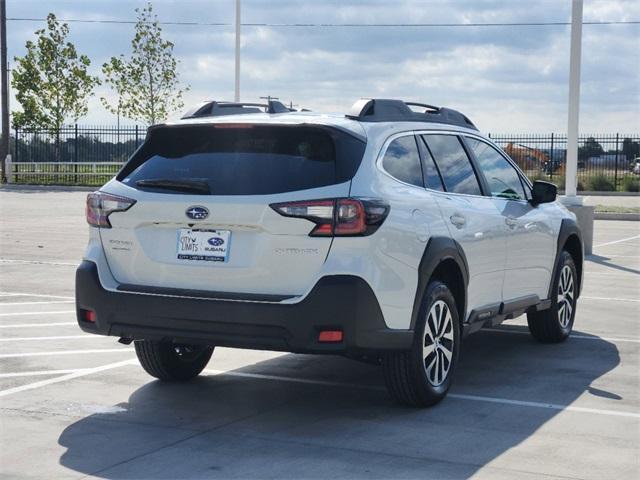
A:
237, 89
574, 103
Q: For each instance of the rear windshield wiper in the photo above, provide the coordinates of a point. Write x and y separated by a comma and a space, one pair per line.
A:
188, 186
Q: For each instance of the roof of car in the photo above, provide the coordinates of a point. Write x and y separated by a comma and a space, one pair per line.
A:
366, 116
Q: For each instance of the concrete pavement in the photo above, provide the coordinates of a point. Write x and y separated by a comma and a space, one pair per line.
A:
75, 405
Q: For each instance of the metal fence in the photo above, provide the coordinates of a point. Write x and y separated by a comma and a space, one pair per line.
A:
76, 155
90, 155
606, 162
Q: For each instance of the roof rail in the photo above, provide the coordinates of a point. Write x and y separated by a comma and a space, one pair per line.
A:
212, 108
385, 110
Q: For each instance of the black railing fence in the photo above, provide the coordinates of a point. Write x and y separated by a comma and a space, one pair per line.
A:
80, 154
77, 143
605, 161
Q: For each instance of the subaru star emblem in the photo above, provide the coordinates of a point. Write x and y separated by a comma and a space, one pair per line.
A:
197, 213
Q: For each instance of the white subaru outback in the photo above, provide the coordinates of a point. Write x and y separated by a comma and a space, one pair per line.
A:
388, 233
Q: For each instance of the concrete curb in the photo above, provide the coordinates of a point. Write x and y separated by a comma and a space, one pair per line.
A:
616, 216
13, 187
604, 194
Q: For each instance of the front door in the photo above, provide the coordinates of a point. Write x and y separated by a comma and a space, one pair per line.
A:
530, 239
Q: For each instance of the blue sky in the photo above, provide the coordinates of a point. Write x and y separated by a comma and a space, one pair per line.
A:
507, 79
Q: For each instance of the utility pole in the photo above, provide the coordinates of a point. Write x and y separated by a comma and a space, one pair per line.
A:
237, 89
4, 148
574, 103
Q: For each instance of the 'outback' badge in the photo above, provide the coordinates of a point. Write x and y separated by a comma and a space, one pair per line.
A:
197, 213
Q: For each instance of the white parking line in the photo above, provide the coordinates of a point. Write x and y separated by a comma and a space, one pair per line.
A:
608, 274
37, 295
37, 373
35, 325
19, 314
573, 336
38, 262
60, 337
65, 352
459, 396
4, 304
622, 240
550, 406
610, 298
64, 378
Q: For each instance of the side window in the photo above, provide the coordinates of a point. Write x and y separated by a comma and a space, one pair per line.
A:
454, 164
402, 161
431, 176
502, 178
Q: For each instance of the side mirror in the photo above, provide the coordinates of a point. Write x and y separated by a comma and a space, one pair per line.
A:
543, 192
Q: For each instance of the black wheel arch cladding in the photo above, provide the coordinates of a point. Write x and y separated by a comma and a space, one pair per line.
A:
438, 251
569, 239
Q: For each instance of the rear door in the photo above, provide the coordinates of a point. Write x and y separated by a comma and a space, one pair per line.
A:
473, 219
202, 219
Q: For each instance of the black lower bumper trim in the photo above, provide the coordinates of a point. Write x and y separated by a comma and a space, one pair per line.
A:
341, 302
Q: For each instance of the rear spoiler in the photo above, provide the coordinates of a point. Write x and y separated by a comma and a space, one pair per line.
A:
212, 108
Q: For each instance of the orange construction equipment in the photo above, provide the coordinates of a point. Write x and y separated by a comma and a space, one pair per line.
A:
527, 158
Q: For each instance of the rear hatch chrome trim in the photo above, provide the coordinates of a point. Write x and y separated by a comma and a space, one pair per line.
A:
204, 294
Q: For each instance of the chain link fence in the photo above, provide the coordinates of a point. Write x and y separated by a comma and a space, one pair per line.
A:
90, 155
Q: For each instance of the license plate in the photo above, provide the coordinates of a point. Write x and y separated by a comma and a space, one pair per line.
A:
203, 245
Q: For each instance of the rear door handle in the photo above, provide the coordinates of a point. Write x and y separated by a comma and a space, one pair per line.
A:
512, 222
458, 220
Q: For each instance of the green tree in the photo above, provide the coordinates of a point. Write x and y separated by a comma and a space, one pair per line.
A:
115, 75
591, 148
147, 84
51, 81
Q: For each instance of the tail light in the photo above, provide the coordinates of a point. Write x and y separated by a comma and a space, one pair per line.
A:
100, 205
338, 216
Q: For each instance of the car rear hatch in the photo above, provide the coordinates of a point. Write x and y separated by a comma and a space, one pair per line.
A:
202, 219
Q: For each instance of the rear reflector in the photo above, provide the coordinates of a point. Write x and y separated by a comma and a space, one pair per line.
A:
88, 315
330, 336
337, 216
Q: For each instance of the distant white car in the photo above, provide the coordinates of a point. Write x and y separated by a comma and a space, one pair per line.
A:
635, 166
388, 234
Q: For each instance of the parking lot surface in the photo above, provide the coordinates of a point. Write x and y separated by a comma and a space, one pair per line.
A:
75, 405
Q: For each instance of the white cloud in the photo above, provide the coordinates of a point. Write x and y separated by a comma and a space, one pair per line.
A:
504, 78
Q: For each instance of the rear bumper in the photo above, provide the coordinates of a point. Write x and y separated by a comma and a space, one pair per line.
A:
336, 302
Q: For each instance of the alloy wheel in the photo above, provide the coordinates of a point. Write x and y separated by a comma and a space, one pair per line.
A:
437, 351
565, 296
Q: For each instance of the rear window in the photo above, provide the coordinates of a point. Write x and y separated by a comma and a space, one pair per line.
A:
454, 164
402, 161
245, 159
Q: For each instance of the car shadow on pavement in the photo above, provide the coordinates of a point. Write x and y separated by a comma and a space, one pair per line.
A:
334, 419
606, 262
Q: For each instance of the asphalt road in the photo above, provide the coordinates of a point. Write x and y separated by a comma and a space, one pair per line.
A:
75, 405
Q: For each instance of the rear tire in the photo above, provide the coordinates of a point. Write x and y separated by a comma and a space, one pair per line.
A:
170, 361
422, 376
554, 324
